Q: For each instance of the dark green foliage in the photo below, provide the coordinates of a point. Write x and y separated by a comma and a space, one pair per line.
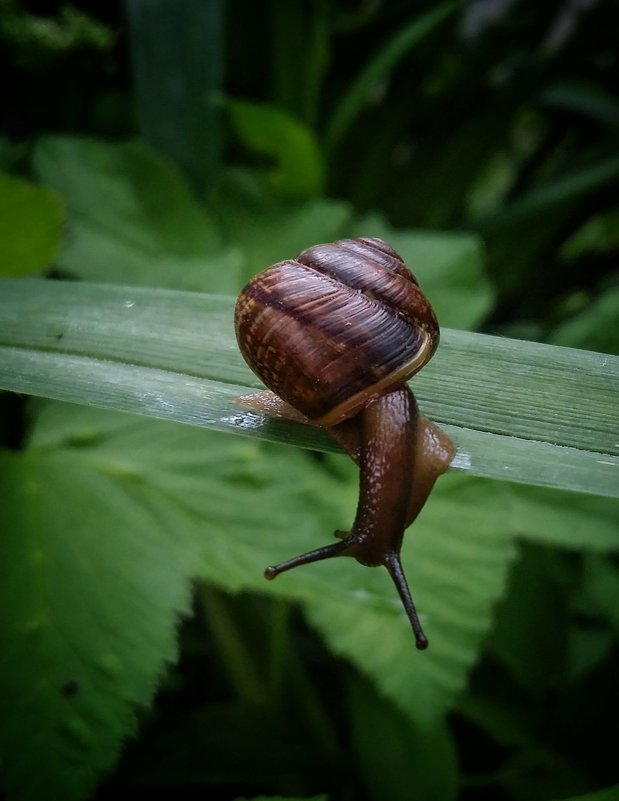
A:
141, 652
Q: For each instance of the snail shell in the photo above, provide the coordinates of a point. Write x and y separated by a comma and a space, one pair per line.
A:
336, 327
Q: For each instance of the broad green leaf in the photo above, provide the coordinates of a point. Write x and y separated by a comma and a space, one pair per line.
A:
132, 217
30, 226
456, 557
91, 584
519, 411
448, 266
567, 519
150, 229
270, 131
104, 519
222, 509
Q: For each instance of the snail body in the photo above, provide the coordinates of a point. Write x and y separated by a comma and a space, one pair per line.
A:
335, 334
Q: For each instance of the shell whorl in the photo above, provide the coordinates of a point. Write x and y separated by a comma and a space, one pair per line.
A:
335, 327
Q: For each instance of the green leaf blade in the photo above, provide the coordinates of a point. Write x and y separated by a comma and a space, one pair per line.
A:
379, 67
178, 66
519, 411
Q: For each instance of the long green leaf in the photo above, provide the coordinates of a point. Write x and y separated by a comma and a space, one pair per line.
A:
520, 411
176, 51
555, 193
379, 67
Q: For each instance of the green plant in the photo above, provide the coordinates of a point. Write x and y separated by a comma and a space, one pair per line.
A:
138, 639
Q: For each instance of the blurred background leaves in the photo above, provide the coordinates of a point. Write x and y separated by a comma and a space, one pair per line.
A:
187, 145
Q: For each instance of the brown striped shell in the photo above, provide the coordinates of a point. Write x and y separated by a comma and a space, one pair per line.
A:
334, 328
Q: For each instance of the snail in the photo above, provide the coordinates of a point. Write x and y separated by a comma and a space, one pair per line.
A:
335, 334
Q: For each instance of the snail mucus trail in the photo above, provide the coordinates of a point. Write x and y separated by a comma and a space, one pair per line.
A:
335, 334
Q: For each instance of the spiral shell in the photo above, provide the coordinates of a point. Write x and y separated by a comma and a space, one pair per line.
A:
339, 325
